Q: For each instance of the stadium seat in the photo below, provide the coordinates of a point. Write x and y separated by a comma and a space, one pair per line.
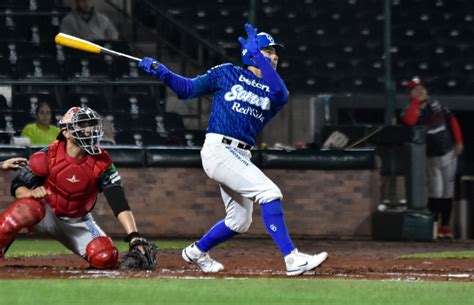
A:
127, 69
6, 123
20, 119
116, 45
134, 103
6, 68
27, 102
5, 137
6, 128
40, 31
169, 121
94, 100
28, 5
42, 5
4, 50
3, 104
15, 4
194, 137
136, 121
166, 124
56, 117
11, 29
14, 50
87, 67
453, 85
139, 138
365, 84
39, 68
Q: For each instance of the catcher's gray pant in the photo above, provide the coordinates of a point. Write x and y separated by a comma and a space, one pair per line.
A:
441, 174
241, 182
74, 233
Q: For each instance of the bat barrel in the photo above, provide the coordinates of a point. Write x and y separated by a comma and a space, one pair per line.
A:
76, 43
87, 46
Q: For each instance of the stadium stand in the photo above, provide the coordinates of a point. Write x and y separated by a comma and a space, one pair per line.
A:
332, 47
327, 37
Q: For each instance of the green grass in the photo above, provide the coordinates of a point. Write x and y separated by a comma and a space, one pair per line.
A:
34, 247
243, 291
224, 291
441, 255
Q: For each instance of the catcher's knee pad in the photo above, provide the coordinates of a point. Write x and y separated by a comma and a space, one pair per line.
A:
23, 213
101, 253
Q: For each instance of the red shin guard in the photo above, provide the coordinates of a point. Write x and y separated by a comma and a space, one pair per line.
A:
23, 213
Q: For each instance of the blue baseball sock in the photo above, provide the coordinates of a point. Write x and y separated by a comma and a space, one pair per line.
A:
274, 222
219, 233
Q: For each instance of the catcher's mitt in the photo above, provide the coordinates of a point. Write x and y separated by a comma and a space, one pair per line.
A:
134, 259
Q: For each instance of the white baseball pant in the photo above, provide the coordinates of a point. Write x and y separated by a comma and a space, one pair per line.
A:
74, 233
441, 174
241, 182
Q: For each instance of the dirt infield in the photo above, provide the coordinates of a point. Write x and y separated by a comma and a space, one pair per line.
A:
259, 258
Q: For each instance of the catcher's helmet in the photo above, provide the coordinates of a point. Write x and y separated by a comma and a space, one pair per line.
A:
264, 40
85, 126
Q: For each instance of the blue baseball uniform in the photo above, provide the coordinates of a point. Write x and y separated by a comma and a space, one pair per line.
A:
242, 104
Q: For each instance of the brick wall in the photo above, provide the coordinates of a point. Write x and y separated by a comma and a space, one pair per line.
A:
184, 201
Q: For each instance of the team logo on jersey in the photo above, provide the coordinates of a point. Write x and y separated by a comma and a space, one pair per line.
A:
247, 110
238, 93
73, 179
253, 83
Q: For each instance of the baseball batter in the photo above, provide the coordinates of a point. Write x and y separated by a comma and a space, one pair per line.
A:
58, 188
244, 100
444, 143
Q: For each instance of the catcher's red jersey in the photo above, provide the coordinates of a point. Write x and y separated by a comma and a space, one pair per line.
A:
73, 183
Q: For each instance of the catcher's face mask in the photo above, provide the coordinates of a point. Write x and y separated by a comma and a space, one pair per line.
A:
85, 126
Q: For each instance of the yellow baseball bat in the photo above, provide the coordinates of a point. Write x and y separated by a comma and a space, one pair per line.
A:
87, 46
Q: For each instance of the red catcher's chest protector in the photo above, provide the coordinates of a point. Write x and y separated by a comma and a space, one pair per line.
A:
73, 183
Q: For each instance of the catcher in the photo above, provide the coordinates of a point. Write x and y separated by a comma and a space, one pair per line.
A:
58, 188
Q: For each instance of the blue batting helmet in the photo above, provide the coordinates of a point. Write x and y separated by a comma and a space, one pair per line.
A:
264, 40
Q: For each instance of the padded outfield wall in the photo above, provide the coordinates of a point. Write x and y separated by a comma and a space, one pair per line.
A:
326, 193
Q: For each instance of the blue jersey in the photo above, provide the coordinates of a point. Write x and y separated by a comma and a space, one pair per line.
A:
242, 102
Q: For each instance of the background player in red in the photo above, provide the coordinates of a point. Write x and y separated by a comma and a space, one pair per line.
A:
59, 188
444, 143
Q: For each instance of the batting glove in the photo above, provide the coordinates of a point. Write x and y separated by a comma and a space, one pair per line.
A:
251, 44
149, 65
